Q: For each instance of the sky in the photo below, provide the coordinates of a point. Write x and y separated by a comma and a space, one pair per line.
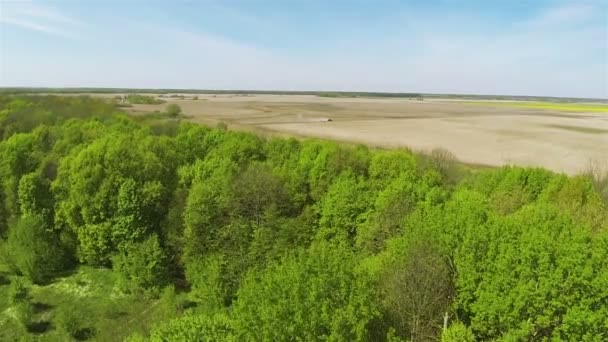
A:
517, 47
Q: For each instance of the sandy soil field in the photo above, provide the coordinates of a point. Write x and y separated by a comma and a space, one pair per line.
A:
475, 133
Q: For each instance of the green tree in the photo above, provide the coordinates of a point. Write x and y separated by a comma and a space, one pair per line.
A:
318, 294
112, 193
206, 277
530, 274
256, 191
418, 289
390, 208
342, 208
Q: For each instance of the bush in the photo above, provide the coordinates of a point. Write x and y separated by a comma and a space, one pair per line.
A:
457, 332
205, 278
142, 267
599, 176
18, 295
317, 294
24, 313
168, 304
33, 251
218, 327
18, 291
222, 126
73, 320
173, 110
444, 162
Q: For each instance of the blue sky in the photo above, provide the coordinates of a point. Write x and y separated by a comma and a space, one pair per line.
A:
519, 47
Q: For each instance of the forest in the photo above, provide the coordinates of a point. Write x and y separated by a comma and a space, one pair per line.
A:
155, 229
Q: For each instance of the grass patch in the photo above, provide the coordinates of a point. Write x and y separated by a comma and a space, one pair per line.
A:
558, 106
103, 312
590, 130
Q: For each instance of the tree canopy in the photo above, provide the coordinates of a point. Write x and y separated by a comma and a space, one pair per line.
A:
283, 239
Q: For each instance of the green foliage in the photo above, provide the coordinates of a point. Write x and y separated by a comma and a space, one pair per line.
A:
23, 113
445, 163
33, 250
143, 99
246, 238
510, 188
195, 328
393, 203
142, 266
169, 303
23, 313
599, 177
543, 266
316, 295
18, 291
342, 207
113, 193
173, 110
457, 332
18, 298
74, 321
205, 275
257, 191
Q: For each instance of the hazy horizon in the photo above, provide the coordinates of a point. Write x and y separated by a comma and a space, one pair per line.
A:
312, 92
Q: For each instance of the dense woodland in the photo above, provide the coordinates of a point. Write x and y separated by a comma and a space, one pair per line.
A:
232, 236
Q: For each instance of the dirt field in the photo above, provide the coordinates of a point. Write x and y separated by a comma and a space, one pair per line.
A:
481, 133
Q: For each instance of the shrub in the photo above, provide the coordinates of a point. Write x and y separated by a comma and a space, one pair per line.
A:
205, 277
73, 320
222, 126
444, 162
33, 251
142, 267
167, 303
457, 332
173, 110
24, 313
218, 327
18, 291
599, 176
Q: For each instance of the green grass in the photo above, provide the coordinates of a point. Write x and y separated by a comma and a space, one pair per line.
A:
111, 314
558, 106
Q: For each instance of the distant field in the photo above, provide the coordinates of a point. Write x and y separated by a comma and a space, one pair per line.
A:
563, 137
559, 106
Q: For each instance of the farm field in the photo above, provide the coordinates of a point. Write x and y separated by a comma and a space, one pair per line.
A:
564, 137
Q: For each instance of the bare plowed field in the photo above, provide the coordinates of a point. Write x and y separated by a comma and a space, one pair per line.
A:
479, 133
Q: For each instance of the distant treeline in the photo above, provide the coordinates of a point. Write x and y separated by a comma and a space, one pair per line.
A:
199, 91
143, 99
26, 90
